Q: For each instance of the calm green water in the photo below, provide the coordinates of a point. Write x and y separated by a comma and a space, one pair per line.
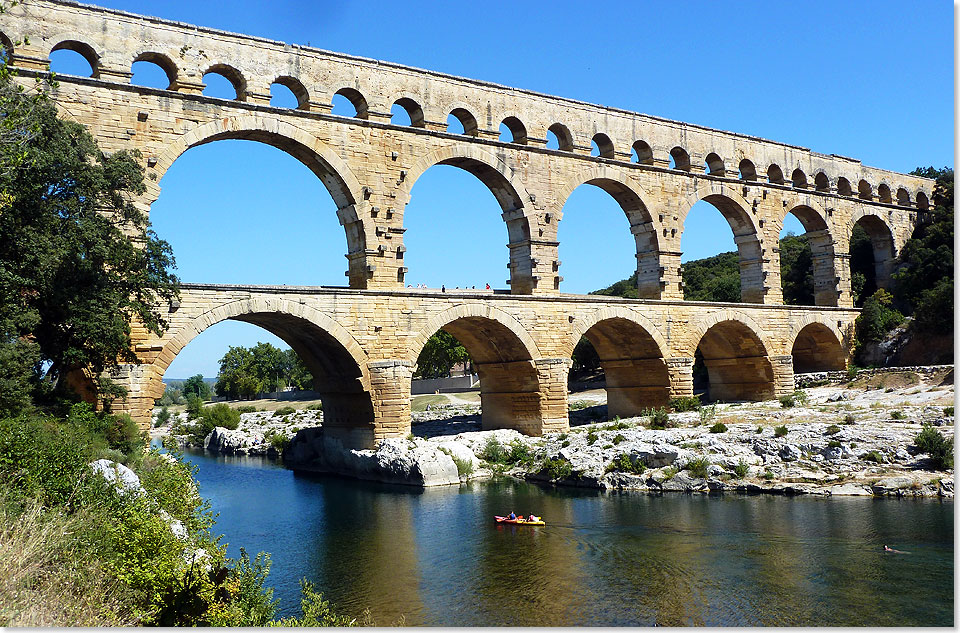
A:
436, 558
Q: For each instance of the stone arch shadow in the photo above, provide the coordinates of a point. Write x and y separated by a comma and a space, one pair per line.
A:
816, 345
337, 361
504, 356
736, 354
632, 354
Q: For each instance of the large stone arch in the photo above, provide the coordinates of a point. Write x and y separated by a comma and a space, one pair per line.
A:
319, 158
816, 344
503, 182
747, 235
816, 221
504, 356
883, 239
628, 193
335, 358
633, 357
737, 356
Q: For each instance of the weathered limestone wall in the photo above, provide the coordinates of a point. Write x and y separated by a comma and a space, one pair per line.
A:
370, 166
521, 346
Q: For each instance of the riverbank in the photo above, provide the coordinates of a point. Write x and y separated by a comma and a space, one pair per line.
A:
856, 438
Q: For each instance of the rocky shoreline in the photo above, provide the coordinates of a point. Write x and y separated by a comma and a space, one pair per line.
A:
852, 439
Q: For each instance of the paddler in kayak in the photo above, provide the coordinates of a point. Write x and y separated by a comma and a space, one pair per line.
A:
513, 516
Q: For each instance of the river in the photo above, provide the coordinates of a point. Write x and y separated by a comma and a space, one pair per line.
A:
434, 557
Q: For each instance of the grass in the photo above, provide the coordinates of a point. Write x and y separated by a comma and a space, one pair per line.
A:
741, 469
832, 429
43, 580
898, 415
834, 444
625, 464
698, 467
619, 438
420, 403
282, 411
719, 427
780, 431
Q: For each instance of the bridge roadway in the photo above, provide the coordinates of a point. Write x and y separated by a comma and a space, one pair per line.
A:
362, 347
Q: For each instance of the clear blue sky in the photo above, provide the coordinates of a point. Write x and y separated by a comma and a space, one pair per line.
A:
872, 80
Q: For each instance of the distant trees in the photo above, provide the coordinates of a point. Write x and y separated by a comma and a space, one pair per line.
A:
245, 372
439, 355
195, 385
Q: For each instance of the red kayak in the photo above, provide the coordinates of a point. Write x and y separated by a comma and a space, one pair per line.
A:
519, 520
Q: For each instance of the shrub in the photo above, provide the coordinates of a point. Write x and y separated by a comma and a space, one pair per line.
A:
464, 466
698, 467
707, 413
741, 469
759, 429
659, 419
163, 417
592, 437
685, 403
801, 398
780, 431
519, 453
194, 406
316, 611
832, 429
768, 475
618, 438
282, 411
719, 427
277, 440
625, 464
948, 411
849, 419
834, 444
494, 452
221, 414
898, 415
940, 449
562, 436
247, 408
669, 472
787, 401
556, 468
852, 372
317, 406
564, 443
873, 456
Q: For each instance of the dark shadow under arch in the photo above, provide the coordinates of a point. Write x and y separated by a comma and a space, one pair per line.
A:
736, 362
816, 348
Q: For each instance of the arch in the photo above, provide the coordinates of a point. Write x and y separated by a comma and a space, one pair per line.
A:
922, 202
503, 354
865, 190
518, 132
681, 158
257, 310
799, 179
644, 152
903, 197
821, 182
6, 47
822, 252
564, 137
699, 327
627, 192
812, 219
297, 88
843, 187
584, 323
728, 201
748, 171
816, 346
84, 50
604, 145
882, 243
736, 355
527, 348
234, 76
166, 64
413, 110
775, 174
714, 165
883, 193
356, 99
467, 120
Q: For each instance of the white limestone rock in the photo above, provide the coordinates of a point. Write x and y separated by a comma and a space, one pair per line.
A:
125, 480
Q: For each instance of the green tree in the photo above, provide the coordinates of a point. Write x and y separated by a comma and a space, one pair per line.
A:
923, 283
78, 261
236, 378
439, 355
196, 386
300, 376
862, 271
270, 366
796, 270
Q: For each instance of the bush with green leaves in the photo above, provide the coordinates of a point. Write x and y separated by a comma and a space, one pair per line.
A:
934, 444
246, 408
707, 413
849, 419
898, 415
163, 417
741, 469
618, 438
873, 456
556, 469
592, 437
282, 411
832, 430
780, 431
698, 467
624, 463
834, 444
719, 427
660, 419
948, 411
685, 403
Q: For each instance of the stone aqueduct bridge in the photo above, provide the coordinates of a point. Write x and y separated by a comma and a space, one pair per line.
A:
361, 342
